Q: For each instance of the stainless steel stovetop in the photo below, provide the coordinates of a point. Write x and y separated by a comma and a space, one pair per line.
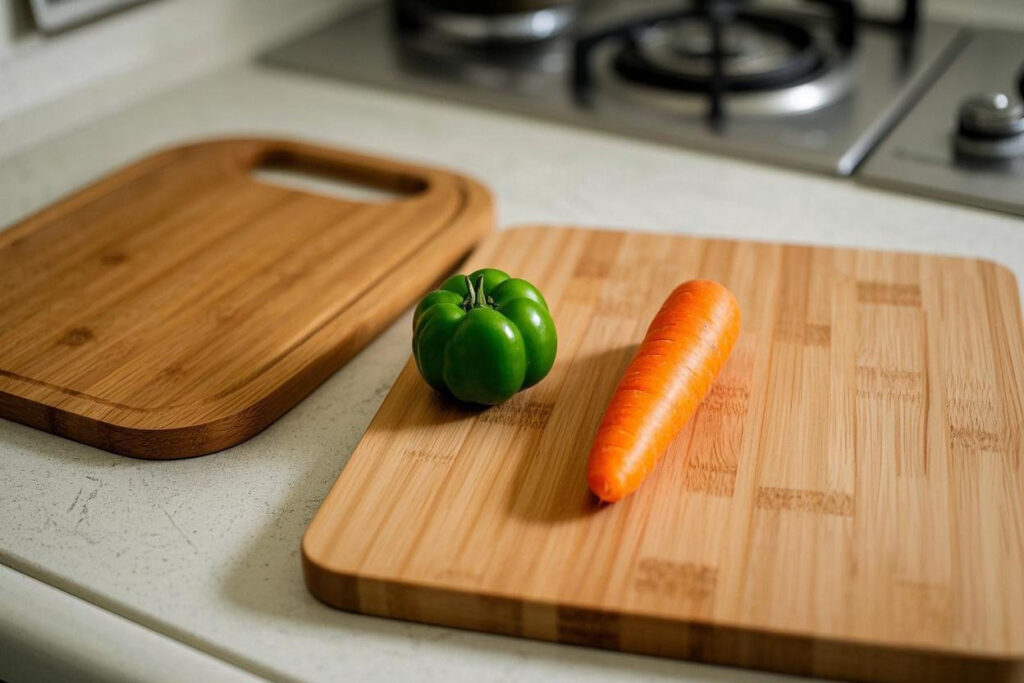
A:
826, 122
922, 154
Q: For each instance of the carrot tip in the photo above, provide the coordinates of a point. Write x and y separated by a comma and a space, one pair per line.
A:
607, 491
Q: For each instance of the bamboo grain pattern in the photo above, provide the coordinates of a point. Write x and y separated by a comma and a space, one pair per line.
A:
846, 503
180, 305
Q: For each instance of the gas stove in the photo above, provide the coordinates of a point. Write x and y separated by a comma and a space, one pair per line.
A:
813, 85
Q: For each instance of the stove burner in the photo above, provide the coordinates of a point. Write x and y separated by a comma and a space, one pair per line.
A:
827, 85
759, 53
492, 23
751, 64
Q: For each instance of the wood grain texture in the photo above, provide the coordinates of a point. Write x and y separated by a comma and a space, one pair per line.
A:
848, 502
179, 306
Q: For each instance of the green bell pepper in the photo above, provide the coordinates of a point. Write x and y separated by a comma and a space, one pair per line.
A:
483, 337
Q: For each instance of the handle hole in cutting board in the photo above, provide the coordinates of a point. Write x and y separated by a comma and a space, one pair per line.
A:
322, 176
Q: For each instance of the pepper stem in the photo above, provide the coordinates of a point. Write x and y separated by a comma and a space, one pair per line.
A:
475, 296
481, 300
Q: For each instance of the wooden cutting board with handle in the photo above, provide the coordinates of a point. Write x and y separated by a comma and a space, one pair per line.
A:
847, 502
180, 305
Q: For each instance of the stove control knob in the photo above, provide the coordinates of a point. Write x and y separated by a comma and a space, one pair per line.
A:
991, 125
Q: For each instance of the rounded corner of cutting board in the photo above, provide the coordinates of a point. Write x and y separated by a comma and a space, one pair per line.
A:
331, 586
1004, 271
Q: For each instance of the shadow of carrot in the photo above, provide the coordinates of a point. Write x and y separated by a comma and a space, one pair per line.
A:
550, 484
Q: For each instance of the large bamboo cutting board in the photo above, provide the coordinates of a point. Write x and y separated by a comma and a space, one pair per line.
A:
846, 503
180, 305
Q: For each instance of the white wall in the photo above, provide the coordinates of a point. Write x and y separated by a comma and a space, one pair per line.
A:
183, 37
15, 24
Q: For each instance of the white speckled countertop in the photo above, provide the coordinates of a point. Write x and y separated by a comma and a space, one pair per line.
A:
206, 551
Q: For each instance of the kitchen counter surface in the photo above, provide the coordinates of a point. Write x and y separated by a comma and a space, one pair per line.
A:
206, 551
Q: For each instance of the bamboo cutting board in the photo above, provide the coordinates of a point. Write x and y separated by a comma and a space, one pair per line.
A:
846, 503
181, 305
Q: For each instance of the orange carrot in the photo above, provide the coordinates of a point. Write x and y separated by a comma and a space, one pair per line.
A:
685, 347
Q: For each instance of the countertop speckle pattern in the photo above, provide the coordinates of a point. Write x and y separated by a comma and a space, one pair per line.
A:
206, 550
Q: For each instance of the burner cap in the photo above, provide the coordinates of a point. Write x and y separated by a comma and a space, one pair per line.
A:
759, 53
